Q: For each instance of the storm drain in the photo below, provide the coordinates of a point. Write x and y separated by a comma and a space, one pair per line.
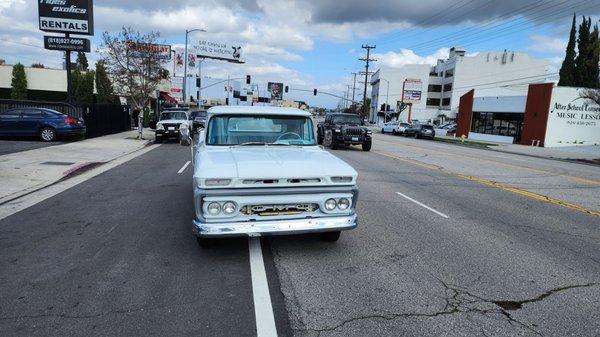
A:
62, 163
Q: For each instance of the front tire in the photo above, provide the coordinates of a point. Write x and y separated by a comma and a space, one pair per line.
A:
331, 236
334, 145
382, 131
366, 146
47, 134
158, 140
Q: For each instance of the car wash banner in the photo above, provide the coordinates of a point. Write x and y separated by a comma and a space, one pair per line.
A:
66, 16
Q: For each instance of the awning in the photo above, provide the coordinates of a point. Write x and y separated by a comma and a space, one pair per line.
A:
167, 98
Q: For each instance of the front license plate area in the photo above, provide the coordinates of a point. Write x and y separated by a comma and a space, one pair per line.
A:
355, 139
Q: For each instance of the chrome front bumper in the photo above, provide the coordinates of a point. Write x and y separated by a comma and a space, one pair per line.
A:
275, 227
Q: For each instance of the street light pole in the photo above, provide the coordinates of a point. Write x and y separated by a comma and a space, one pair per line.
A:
185, 60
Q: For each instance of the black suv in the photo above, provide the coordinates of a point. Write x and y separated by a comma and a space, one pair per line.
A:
343, 129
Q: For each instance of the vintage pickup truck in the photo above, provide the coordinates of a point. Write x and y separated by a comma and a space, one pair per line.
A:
259, 171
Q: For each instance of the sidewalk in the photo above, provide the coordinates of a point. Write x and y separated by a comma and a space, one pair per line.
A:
28, 171
589, 152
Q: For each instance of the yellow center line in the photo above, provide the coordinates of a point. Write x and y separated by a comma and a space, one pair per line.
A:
495, 184
583, 180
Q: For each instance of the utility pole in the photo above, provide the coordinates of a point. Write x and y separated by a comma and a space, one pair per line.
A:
366, 60
354, 86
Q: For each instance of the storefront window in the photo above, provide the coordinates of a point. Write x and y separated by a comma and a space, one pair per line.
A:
498, 123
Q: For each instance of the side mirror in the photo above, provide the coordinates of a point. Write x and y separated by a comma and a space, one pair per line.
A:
185, 137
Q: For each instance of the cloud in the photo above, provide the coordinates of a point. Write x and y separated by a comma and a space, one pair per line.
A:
439, 12
547, 44
406, 56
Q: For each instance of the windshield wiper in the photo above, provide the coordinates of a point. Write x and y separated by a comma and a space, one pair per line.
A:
251, 144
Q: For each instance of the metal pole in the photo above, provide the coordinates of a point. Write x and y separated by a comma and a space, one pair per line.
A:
228, 87
69, 79
353, 86
185, 62
200, 77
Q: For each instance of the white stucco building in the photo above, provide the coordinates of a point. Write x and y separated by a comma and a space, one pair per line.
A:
499, 73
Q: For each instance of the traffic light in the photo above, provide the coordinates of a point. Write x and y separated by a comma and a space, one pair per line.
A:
286, 88
198, 82
248, 79
314, 92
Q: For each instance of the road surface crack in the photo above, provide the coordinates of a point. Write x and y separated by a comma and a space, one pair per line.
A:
459, 300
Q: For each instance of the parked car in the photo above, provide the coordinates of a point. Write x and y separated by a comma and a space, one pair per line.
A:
340, 129
258, 171
389, 127
168, 125
420, 131
198, 119
47, 124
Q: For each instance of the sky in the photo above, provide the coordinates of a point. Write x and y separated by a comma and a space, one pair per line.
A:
310, 44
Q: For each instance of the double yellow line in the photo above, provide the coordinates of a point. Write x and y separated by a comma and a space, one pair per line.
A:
490, 183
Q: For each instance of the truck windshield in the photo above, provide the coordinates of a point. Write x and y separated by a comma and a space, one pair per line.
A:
173, 115
346, 119
260, 130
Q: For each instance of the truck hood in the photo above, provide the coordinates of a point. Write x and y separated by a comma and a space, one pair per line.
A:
172, 121
271, 166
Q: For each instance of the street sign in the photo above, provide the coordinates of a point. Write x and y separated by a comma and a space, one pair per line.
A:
66, 16
66, 43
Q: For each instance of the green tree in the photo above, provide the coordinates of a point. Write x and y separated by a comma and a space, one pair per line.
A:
83, 86
104, 86
82, 62
583, 44
592, 59
567, 70
18, 83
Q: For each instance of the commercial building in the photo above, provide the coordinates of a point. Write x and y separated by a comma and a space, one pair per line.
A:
546, 116
504, 73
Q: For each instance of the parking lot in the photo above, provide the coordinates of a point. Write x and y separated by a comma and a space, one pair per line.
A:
439, 251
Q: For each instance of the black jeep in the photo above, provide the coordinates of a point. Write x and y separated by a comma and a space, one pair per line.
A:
340, 129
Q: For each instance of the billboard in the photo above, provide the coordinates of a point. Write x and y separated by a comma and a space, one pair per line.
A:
66, 43
217, 50
276, 90
66, 16
143, 50
177, 88
411, 90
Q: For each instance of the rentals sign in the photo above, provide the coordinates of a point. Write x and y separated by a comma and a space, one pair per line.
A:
66, 16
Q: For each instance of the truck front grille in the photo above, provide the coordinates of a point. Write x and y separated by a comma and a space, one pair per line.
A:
282, 209
353, 131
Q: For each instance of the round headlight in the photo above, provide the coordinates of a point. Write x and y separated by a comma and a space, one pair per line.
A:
343, 204
229, 207
330, 204
214, 208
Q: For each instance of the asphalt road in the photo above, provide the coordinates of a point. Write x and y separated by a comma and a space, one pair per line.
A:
452, 241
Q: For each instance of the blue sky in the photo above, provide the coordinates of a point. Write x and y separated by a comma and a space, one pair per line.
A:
316, 43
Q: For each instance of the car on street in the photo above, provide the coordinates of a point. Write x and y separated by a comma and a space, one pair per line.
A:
169, 123
198, 119
420, 131
47, 124
259, 171
389, 127
342, 129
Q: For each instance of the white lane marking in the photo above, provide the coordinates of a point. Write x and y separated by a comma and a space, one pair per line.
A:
263, 310
184, 167
423, 205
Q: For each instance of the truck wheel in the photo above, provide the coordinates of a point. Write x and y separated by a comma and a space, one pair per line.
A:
331, 236
334, 145
382, 131
319, 140
366, 146
158, 140
416, 135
